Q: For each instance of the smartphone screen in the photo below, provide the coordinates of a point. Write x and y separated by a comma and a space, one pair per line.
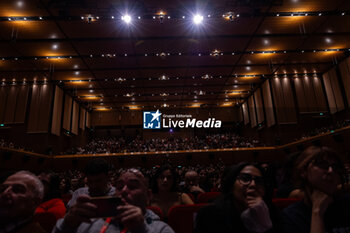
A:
106, 206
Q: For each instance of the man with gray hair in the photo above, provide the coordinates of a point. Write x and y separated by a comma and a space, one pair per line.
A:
20, 194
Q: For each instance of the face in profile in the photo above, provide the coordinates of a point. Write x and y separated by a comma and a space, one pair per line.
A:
17, 199
249, 183
165, 181
132, 189
324, 174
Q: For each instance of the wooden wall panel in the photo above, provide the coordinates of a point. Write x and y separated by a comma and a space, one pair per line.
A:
82, 118
259, 106
21, 105
336, 90
75, 118
252, 111
269, 110
3, 99
88, 120
344, 68
334, 95
278, 100
300, 94
289, 106
34, 110
45, 108
67, 115
11, 105
320, 95
57, 112
245, 113
310, 94
329, 93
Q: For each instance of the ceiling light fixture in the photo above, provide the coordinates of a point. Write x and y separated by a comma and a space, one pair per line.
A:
197, 19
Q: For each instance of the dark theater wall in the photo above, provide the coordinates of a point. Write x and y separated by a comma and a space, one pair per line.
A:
134, 117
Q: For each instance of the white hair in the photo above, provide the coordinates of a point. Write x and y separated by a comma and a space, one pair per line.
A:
38, 187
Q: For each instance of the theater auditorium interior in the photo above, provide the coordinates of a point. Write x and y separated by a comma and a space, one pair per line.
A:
200, 85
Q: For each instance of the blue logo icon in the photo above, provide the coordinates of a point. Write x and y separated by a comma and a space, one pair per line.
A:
151, 120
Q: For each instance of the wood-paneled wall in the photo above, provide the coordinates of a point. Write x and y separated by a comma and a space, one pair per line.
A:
40, 109
334, 95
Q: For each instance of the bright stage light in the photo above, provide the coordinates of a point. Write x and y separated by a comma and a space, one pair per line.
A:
197, 19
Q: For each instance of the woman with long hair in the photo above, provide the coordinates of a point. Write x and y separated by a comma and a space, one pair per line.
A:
319, 174
165, 191
243, 207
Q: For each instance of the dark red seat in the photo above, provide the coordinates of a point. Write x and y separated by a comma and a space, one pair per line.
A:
181, 218
46, 220
282, 203
207, 197
157, 211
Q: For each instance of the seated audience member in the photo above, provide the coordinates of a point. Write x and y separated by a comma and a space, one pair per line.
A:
20, 194
319, 172
52, 203
242, 207
132, 215
65, 186
164, 188
96, 172
286, 187
192, 183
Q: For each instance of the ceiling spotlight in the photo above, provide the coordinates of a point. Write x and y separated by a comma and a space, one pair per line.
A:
198, 19
126, 18
215, 54
163, 77
229, 16
207, 76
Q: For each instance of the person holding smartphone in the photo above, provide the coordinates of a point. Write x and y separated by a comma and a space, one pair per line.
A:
131, 215
319, 173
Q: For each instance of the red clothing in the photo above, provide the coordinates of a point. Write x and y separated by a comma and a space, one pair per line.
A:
54, 206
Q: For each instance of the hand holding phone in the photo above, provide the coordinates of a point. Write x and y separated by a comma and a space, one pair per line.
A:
106, 206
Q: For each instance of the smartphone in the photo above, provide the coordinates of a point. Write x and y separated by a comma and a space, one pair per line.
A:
106, 205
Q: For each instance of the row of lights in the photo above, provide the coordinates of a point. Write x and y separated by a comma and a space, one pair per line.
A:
165, 105
161, 16
215, 54
163, 77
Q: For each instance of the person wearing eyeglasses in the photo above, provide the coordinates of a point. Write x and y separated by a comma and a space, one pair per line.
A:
319, 173
243, 207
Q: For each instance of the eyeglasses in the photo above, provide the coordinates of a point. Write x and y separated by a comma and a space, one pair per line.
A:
324, 165
246, 179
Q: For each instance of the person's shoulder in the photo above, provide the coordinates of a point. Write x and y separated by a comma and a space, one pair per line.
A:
82, 190
154, 223
298, 210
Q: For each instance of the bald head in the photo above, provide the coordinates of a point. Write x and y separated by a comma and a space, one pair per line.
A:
20, 194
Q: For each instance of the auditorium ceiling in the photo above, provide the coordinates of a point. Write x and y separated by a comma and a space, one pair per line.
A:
163, 57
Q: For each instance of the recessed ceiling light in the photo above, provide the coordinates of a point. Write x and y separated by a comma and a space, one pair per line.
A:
197, 19
126, 18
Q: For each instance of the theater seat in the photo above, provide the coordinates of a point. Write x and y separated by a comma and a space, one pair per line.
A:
46, 220
282, 203
181, 218
207, 197
66, 198
157, 211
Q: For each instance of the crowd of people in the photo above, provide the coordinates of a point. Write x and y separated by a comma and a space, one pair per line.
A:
172, 143
320, 182
325, 129
120, 145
